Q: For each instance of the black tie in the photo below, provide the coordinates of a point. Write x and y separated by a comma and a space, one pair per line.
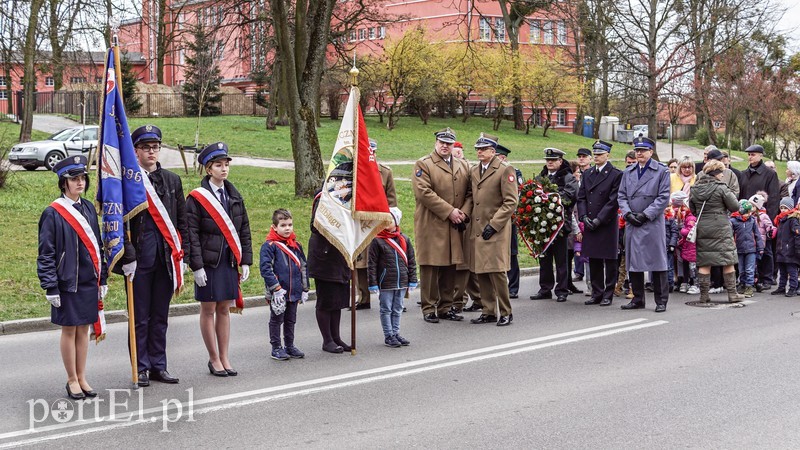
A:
552, 177
223, 198
78, 206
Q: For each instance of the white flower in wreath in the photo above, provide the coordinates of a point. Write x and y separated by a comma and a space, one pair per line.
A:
558, 209
555, 227
536, 242
550, 215
537, 210
535, 219
552, 206
537, 200
543, 230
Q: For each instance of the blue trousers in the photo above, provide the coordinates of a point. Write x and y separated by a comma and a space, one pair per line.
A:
788, 274
287, 319
391, 310
747, 268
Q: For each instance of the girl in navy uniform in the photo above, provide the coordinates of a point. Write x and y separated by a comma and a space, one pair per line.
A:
217, 217
71, 269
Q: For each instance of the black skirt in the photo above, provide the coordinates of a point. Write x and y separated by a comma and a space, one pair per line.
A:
77, 308
332, 295
222, 281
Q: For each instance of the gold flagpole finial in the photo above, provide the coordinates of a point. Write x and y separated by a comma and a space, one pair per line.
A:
354, 71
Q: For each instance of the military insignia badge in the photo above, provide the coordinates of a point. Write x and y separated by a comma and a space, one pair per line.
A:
220, 145
149, 128
419, 172
511, 178
77, 160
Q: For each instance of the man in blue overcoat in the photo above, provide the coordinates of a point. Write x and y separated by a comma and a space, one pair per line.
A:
643, 196
597, 210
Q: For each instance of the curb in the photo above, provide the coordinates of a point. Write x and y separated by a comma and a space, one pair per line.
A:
184, 309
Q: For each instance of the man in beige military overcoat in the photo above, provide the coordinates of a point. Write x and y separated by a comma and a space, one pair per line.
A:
494, 197
387, 180
444, 203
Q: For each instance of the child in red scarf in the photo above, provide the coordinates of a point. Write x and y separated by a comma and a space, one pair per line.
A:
391, 270
283, 267
788, 247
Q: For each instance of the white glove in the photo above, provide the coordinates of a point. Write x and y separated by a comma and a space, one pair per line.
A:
303, 297
245, 273
200, 277
129, 270
278, 304
279, 294
103, 291
54, 300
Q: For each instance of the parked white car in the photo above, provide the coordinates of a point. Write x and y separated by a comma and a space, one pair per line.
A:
640, 130
69, 142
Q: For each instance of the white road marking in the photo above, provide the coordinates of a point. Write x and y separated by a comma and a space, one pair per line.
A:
338, 381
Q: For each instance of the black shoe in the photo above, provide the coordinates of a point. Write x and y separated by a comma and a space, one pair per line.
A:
362, 306
331, 347
90, 393
542, 296
661, 308
632, 305
485, 318
648, 286
340, 343
605, 302
163, 376
505, 320
144, 380
561, 298
454, 310
431, 318
450, 315
231, 372
577, 278
592, 302
78, 396
574, 290
779, 291
514, 295
473, 308
790, 294
215, 372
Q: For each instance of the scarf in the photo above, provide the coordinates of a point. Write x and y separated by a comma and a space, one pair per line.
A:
386, 234
687, 182
782, 216
290, 241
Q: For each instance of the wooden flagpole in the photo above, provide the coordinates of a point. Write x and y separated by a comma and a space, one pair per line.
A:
128, 282
354, 80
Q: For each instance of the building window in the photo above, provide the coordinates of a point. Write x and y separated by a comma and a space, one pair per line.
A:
220, 50
3, 95
182, 56
548, 32
77, 80
3, 81
362, 34
561, 117
352, 35
371, 34
381, 32
48, 81
499, 30
98, 79
562, 33
535, 32
536, 115
484, 30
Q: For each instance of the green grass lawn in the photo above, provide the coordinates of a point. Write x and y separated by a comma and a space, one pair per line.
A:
411, 139
9, 135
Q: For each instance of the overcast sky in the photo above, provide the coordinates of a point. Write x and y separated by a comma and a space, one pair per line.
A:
791, 21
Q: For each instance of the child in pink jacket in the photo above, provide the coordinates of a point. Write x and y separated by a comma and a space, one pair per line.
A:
688, 255
766, 263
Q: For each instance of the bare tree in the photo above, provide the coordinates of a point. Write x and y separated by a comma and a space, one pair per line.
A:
29, 64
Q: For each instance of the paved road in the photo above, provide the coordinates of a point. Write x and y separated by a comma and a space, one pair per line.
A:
564, 375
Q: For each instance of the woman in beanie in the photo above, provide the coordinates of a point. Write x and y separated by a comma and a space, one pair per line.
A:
715, 244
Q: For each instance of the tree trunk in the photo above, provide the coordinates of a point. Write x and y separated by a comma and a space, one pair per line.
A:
29, 75
162, 40
308, 167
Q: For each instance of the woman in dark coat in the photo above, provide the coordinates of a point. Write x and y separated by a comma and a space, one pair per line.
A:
715, 244
211, 258
68, 270
330, 272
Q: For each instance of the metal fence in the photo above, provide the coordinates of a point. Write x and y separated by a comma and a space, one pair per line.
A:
86, 104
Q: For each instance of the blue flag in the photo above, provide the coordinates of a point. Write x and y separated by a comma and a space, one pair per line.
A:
120, 192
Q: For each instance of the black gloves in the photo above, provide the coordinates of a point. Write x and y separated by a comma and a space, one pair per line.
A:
636, 219
488, 232
461, 226
591, 224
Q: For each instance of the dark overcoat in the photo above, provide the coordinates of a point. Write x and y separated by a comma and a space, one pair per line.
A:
597, 199
762, 178
646, 245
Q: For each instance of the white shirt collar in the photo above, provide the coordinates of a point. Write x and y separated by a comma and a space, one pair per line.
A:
216, 188
600, 168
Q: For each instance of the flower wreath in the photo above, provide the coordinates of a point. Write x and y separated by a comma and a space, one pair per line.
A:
540, 214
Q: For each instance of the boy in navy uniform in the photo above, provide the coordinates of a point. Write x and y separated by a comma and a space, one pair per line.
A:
148, 259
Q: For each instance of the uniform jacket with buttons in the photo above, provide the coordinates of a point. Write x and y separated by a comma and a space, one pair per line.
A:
438, 189
59, 250
597, 199
495, 197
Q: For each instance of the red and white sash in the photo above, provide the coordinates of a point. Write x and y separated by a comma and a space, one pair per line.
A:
81, 226
161, 218
397, 248
214, 208
285, 248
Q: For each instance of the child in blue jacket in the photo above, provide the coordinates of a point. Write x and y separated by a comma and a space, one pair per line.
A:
283, 267
788, 247
391, 269
749, 244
